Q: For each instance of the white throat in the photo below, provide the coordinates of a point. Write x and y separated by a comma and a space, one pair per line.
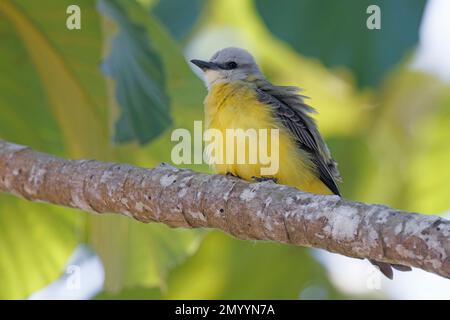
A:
213, 77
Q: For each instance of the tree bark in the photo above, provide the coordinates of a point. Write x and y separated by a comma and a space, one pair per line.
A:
260, 211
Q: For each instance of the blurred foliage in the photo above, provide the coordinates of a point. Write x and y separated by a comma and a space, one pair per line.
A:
35, 243
227, 268
72, 121
179, 17
335, 32
389, 137
407, 141
139, 80
49, 70
264, 270
429, 163
139, 255
64, 70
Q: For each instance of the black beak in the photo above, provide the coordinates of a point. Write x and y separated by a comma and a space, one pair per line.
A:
204, 65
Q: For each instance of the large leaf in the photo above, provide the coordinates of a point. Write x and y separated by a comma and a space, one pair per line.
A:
335, 32
54, 98
429, 174
138, 74
227, 268
179, 16
18, 88
186, 91
139, 255
136, 254
356, 161
407, 143
35, 242
67, 79
51, 95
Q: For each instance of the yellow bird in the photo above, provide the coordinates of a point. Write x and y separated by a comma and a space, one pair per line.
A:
240, 97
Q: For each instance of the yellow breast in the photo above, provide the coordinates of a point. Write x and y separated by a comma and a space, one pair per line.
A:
235, 106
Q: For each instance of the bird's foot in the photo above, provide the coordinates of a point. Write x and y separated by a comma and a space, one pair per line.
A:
264, 179
229, 174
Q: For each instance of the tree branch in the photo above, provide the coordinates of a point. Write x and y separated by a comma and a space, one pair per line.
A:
262, 211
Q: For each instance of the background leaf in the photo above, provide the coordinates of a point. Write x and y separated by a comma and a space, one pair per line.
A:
407, 141
227, 268
135, 254
335, 32
178, 16
35, 242
72, 122
50, 100
72, 100
19, 85
428, 175
139, 80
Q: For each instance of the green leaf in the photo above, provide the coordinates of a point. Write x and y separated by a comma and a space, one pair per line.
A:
52, 99
227, 268
179, 25
335, 32
139, 255
146, 253
408, 142
429, 175
138, 73
35, 242
183, 86
186, 91
64, 62
355, 170
23, 122
136, 255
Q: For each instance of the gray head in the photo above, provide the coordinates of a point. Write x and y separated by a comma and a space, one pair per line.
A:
227, 65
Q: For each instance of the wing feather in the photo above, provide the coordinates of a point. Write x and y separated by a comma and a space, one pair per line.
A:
294, 115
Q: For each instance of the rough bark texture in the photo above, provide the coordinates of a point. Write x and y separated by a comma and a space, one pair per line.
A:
263, 211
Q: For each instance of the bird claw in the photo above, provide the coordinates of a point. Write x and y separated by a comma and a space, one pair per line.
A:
264, 179
229, 174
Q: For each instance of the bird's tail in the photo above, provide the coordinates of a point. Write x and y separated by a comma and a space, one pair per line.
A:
386, 268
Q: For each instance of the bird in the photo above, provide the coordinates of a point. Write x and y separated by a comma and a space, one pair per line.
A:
240, 97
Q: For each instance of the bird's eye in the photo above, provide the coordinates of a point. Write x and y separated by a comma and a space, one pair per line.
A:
231, 65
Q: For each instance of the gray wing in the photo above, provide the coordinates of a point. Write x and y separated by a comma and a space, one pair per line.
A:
294, 115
